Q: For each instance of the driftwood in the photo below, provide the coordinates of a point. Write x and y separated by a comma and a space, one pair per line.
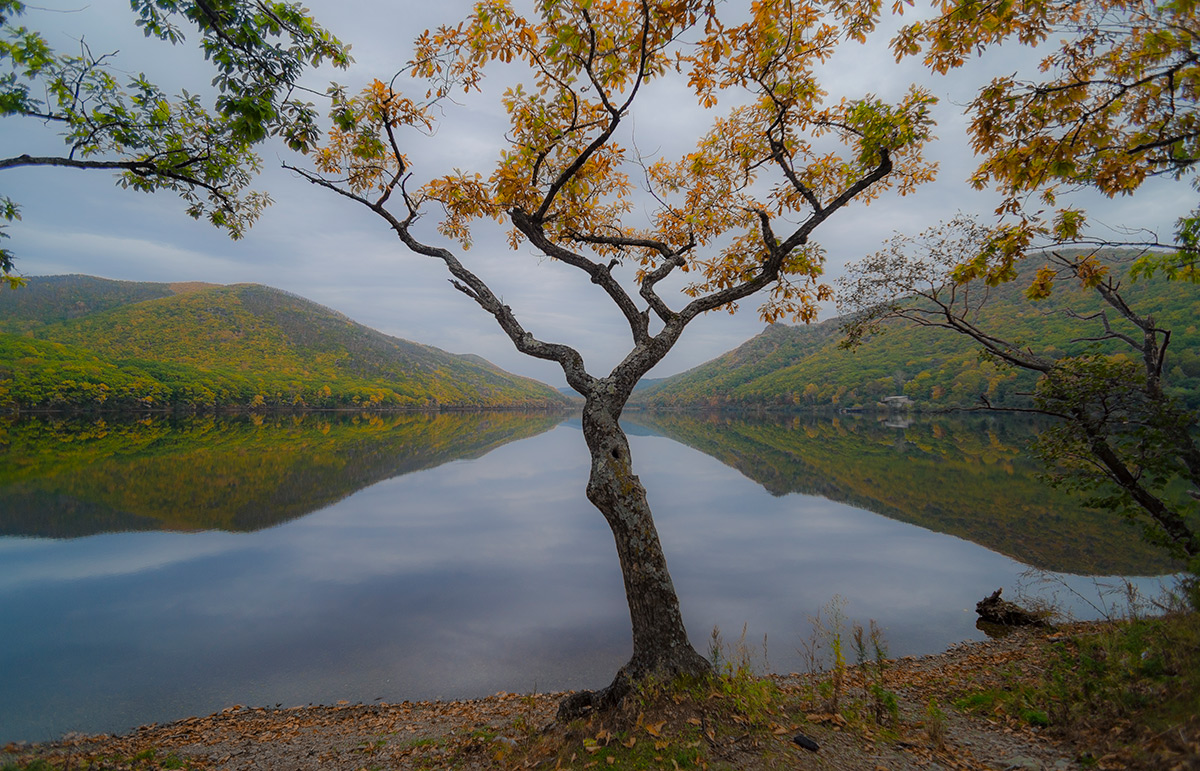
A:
994, 610
806, 742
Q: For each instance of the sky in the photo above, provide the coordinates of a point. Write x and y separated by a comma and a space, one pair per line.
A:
334, 252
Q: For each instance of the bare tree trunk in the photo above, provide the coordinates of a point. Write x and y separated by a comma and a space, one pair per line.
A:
660, 642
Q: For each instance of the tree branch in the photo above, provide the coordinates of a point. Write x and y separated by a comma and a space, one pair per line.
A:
769, 271
672, 258
778, 154
471, 285
1166, 518
601, 275
1109, 332
140, 168
615, 112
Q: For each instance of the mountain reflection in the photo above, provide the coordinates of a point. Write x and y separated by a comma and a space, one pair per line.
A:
72, 477
967, 477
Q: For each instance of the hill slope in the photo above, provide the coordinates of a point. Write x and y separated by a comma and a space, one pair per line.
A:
83, 342
804, 366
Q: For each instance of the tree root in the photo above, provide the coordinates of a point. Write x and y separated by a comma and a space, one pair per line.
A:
584, 703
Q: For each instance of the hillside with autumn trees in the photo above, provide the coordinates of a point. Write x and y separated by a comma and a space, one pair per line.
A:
84, 343
808, 367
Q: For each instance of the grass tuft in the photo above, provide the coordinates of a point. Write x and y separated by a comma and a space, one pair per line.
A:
1129, 687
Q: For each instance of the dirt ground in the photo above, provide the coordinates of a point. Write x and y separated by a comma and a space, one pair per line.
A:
489, 733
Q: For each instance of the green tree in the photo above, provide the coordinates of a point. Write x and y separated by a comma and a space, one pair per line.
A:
1115, 104
1119, 436
111, 122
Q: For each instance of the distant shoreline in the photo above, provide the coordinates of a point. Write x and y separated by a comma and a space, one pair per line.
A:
188, 411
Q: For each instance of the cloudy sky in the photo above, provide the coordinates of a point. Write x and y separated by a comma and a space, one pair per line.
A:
327, 249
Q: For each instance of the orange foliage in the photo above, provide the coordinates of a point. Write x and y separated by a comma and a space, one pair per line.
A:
565, 176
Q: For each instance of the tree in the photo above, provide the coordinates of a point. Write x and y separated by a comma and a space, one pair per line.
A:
258, 49
1116, 105
736, 214
1118, 436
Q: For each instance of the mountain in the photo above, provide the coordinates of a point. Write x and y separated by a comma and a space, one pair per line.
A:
59, 298
805, 366
82, 342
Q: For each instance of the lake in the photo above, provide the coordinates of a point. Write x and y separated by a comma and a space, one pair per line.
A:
156, 568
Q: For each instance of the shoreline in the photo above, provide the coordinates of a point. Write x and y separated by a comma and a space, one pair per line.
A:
415, 734
1039, 699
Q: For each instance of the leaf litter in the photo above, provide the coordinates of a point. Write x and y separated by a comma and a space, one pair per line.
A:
518, 731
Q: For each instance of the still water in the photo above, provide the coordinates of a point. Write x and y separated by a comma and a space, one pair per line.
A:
155, 569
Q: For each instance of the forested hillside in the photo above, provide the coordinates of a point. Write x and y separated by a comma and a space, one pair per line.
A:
804, 366
78, 342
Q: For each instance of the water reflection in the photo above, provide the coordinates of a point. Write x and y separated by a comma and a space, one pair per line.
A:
484, 571
72, 477
965, 477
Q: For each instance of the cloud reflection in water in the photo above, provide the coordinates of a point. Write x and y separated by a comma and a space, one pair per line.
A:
475, 576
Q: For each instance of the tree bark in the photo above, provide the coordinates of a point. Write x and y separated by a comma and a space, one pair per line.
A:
660, 643
1172, 524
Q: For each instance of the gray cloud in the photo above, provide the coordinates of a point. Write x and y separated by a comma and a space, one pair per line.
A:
324, 248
